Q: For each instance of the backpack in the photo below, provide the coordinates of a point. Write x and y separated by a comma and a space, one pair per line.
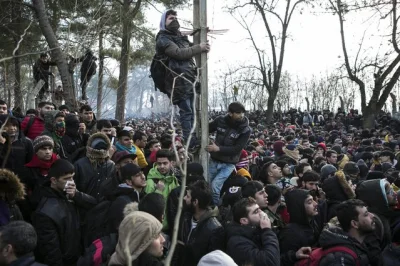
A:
158, 71
318, 253
97, 222
29, 125
99, 252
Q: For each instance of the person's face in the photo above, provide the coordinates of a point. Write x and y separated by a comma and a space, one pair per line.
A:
124, 162
156, 247
142, 143
306, 144
378, 146
187, 200
44, 59
390, 195
155, 147
106, 131
365, 223
11, 129
349, 138
45, 153
3, 109
286, 170
46, 108
261, 198
237, 116
253, 216
59, 184
126, 141
6, 251
138, 181
390, 138
310, 185
182, 154
332, 159
65, 111
310, 206
384, 159
274, 171
59, 119
163, 165
396, 148
87, 116
169, 19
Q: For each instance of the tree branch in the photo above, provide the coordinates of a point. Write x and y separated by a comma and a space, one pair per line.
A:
394, 31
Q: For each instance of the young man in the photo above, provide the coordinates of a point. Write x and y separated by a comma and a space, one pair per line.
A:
274, 202
74, 140
3, 108
309, 181
41, 71
104, 126
88, 118
250, 238
125, 142
270, 173
255, 190
139, 142
331, 157
57, 219
233, 132
33, 126
355, 224
200, 230
17, 243
55, 128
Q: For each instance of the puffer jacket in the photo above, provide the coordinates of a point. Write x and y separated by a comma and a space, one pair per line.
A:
232, 137
36, 129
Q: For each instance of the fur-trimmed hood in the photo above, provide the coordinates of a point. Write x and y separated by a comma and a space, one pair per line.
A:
99, 135
11, 187
94, 154
337, 188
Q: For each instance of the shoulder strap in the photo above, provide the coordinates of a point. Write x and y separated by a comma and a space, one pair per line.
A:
29, 125
345, 250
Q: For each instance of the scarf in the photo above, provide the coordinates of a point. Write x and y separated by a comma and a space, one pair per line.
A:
120, 147
44, 166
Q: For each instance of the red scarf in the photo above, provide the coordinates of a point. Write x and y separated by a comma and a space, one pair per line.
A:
44, 166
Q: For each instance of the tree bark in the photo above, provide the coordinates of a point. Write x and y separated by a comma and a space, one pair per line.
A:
57, 53
270, 106
308, 104
341, 103
394, 103
18, 100
101, 68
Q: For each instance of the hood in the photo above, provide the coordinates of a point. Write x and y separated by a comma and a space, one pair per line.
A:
3, 118
216, 258
293, 154
99, 135
162, 21
72, 125
49, 118
94, 154
335, 236
345, 159
113, 193
235, 229
11, 187
295, 205
337, 188
370, 191
211, 212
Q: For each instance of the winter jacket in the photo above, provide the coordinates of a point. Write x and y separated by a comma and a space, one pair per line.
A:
41, 70
49, 120
232, 137
391, 255
179, 52
36, 129
170, 182
335, 236
251, 245
300, 232
21, 150
12, 190
143, 260
140, 157
195, 243
57, 223
26, 260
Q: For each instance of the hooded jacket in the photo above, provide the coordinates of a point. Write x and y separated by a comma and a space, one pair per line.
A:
57, 223
232, 137
20, 149
300, 232
195, 243
170, 182
11, 190
73, 142
179, 51
91, 177
49, 120
253, 245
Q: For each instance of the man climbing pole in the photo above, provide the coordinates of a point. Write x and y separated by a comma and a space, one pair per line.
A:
41, 73
88, 69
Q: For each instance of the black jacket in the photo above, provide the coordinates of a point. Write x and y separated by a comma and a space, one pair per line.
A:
206, 237
232, 137
91, 180
57, 224
172, 208
256, 246
144, 260
335, 236
391, 255
27, 260
183, 87
300, 232
73, 142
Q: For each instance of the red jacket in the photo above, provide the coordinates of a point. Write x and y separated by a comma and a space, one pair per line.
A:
36, 129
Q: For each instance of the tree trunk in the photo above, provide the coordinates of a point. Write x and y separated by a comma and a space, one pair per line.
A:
5, 69
101, 67
140, 107
341, 103
124, 63
56, 52
270, 107
394, 103
369, 118
18, 100
308, 104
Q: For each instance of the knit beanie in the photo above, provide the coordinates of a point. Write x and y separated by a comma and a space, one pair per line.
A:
327, 170
136, 232
216, 258
243, 172
42, 141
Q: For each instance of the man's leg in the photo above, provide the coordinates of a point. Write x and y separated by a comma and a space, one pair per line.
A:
186, 116
224, 171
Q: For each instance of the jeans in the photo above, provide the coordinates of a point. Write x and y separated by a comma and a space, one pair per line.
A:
186, 116
218, 172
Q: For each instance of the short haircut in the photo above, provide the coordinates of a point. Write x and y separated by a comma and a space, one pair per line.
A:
20, 235
166, 141
240, 210
274, 194
300, 168
236, 107
42, 104
2, 102
330, 152
59, 114
32, 112
103, 123
170, 12
154, 204
60, 168
152, 142
138, 135
62, 107
310, 176
319, 160
251, 188
84, 108
164, 153
346, 212
201, 191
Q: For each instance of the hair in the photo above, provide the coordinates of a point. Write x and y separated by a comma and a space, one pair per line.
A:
60, 168
166, 141
170, 12
240, 210
201, 191
84, 108
330, 152
42, 104
164, 153
114, 122
236, 107
300, 168
103, 123
319, 159
346, 212
274, 194
2, 102
251, 188
62, 107
154, 204
59, 114
20, 235
151, 143
138, 135
263, 174
32, 112
310, 176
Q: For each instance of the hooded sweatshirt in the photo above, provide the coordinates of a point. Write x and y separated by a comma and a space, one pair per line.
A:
50, 130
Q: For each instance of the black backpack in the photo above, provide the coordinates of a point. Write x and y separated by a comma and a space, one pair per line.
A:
99, 252
97, 222
158, 72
